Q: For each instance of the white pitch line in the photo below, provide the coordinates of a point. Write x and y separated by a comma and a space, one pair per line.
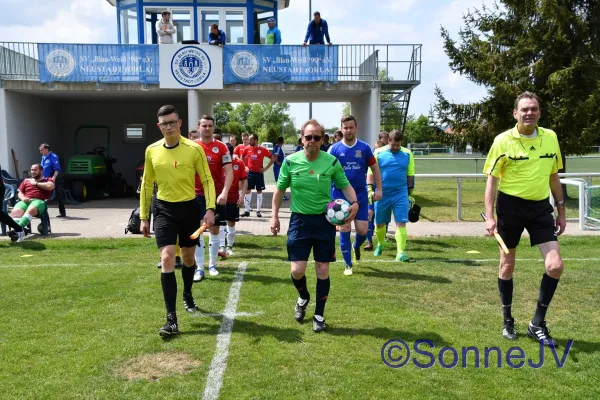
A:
457, 260
240, 314
219, 361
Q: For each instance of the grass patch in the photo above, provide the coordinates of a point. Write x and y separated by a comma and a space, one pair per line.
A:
77, 311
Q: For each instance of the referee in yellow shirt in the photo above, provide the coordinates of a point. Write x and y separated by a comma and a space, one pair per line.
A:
173, 163
526, 160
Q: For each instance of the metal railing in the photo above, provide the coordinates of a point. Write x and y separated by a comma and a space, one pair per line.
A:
355, 62
459, 180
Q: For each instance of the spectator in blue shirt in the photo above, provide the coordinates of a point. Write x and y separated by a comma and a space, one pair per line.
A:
317, 29
273, 34
326, 145
216, 36
51, 169
300, 146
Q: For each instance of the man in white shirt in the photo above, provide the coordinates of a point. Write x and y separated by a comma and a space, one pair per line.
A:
165, 28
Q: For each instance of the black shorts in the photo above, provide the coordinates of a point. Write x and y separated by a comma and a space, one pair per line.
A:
515, 214
220, 214
233, 212
256, 180
173, 220
308, 232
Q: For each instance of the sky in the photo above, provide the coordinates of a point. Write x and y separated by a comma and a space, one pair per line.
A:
350, 22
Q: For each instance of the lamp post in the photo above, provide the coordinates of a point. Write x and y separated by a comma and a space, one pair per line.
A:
309, 19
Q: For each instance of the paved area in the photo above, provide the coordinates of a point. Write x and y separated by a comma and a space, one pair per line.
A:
108, 218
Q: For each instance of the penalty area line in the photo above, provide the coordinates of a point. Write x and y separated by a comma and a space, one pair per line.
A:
219, 361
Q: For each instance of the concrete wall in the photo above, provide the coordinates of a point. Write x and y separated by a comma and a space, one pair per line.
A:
366, 110
27, 121
114, 115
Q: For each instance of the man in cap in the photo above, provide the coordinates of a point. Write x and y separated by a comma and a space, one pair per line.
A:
273, 34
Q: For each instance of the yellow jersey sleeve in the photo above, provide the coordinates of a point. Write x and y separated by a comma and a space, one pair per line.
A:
558, 165
203, 171
410, 171
147, 186
495, 160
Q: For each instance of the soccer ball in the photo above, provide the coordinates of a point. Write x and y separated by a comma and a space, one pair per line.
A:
337, 212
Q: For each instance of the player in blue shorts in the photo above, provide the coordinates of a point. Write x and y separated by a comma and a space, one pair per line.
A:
397, 174
356, 157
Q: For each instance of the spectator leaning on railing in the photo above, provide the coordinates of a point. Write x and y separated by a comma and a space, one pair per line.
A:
216, 36
317, 31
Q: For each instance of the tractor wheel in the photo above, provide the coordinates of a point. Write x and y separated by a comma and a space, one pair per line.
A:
79, 191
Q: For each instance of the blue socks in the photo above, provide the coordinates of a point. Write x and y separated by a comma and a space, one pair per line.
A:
345, 244
359, 240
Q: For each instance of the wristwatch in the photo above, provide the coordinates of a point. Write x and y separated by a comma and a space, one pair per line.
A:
560, 203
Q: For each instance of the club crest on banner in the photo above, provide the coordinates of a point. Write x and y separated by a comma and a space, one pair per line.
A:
60, 63
190, 66
244, 64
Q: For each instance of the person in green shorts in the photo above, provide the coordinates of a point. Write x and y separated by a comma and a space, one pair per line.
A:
33, 193
309, 175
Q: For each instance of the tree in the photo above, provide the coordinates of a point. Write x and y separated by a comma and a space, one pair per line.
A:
550, 47
345, 109
419, 130
222, 114
234, 128
241, 114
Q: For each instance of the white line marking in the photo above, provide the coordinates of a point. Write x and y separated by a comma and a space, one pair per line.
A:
457, 260
219, 361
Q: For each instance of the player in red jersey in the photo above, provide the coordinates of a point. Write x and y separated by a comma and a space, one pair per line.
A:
253, 157
239, 149
219, 163
234, 202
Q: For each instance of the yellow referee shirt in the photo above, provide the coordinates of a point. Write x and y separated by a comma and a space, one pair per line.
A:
524, 165
174, 169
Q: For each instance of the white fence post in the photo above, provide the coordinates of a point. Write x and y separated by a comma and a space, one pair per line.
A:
459, 198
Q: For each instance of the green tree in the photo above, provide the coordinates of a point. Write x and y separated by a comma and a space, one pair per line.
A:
550, 47
419, 130
241, 113
234, 128
222, 114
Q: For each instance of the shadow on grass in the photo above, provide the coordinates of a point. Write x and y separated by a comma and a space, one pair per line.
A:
248, 245
27, 245
466, 263
432, 243
252, 329
386, 334
579, 346
377, 273
250, 277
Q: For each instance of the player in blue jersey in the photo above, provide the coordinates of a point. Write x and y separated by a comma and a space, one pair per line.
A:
356, 157
397, 174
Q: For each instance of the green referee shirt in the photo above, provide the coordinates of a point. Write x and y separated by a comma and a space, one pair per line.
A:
524, 165
310, 181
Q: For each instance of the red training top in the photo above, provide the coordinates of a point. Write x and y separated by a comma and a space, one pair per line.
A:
254, 156
33, 192
217, 155
239, 174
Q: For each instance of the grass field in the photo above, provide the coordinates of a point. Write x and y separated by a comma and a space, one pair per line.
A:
75, 312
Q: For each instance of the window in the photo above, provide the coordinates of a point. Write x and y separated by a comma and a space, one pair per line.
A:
134, 133
234, 21
129, 34
181, 19
208, 17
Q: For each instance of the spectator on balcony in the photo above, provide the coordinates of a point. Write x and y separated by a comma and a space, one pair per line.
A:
165, 28
317, 31
273, 34
216, 36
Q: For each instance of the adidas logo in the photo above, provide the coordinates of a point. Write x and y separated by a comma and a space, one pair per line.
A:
342, 155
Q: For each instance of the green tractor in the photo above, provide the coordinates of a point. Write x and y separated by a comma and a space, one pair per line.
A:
91, 175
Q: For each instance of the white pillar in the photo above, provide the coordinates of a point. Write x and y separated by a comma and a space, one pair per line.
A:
375, 114
193, 109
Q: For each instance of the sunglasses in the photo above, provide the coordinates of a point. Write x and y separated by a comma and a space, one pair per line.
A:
172, 124
309, 138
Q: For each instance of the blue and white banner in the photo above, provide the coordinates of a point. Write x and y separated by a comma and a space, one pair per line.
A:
280, 64
107, 63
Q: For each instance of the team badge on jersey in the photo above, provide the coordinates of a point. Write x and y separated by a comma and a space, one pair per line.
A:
215, 150
259, 151
358, 154
236, 167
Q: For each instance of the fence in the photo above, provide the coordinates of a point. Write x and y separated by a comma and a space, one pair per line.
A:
459, 180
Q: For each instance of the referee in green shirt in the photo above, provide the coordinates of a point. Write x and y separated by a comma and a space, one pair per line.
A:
525, 160
309, 175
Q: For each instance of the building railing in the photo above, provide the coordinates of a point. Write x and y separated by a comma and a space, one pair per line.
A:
355, 62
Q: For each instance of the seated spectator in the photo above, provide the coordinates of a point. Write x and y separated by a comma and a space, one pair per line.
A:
165, 28
32, 195
216, 36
